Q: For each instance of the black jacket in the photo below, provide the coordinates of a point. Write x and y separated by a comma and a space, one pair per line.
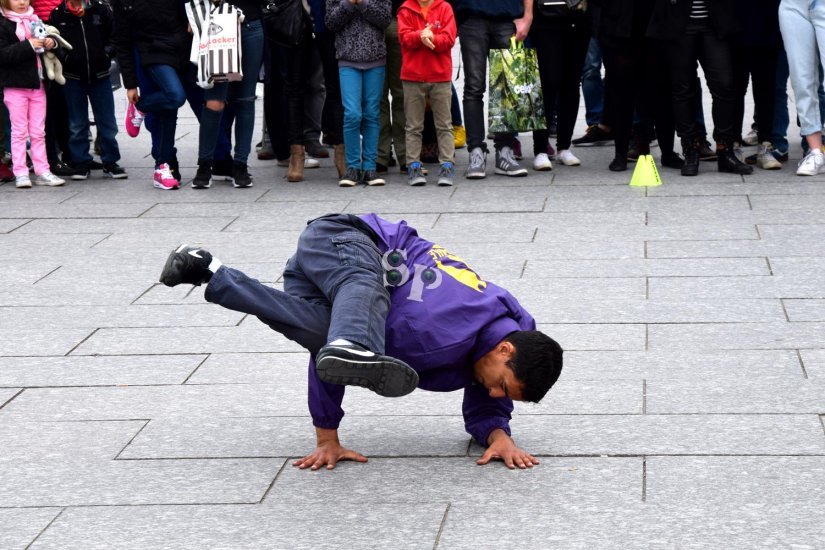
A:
156, 29
671, 17
623, 18
90, 36
18, 62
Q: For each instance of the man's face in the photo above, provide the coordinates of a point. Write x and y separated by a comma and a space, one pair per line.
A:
499, 379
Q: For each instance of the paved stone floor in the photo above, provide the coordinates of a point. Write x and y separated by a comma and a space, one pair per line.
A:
689, 413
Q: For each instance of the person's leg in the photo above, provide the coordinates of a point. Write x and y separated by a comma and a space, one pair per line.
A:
415, 98
762, 64
16, 101
393, 80
500, 33
740, 55
455, 107
574, 49
37, 130
475, 46
210, 121
715, 58
275, 105
333, 117
682, 57
548, 47
351, 96
243, 93
167, 94
440, 100
373, 84
781, 120
621, 64
103, 107
78, 115
57, 126
315, 98
801, 47
592, 84
385, 137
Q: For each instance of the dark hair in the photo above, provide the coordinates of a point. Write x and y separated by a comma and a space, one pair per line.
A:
537, 362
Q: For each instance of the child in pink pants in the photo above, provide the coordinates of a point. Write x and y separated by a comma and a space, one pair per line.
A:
21, 75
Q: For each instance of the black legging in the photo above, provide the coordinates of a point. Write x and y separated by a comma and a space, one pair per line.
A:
758, 62
634, 66
560, 52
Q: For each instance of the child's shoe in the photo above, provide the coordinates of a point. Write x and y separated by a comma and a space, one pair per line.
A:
164, 178
48, 179
134, 120
22, 182
446, 175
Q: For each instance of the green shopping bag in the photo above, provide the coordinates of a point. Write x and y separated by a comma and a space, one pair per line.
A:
516, 103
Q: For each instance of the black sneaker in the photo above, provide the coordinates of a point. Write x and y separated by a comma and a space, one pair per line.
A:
222, 170
80, 173
594, 135
240, 175
114, 171
62, 169
351, 178
372, 178
94, 165
314, 149
187, 264
352, 365
706, 152
381, 168
203, 177
415, 176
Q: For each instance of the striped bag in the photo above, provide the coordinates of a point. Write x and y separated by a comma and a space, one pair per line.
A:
216, 44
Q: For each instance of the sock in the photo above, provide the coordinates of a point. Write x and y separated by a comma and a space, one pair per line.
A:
214, 265
341, 342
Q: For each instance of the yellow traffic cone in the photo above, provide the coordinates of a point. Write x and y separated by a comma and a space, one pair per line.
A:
645, 174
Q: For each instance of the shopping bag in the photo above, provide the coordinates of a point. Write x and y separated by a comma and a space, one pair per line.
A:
516, 103
216, 44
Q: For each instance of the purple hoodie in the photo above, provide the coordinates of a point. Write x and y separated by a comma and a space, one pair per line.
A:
443, 317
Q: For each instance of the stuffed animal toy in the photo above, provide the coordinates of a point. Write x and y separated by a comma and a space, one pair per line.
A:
54, 69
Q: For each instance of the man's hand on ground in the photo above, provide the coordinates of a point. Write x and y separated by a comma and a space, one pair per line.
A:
502, 447
328, 452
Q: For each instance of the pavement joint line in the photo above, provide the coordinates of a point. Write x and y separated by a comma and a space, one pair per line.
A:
469, 446
784, 310
647, 336
236, 218
758, 233
12, 230
10, 399
241, 320
750, 204
46, 275
142, 294
40, 506
441, 526
644, 479
63, 509
274, 479
150, 208
196, 368
770, 269
523, 269
437, 220
822, 421
647, 284
535, 234
137, 433
71, 196
68, 353
265, 193
101, 240
644, 396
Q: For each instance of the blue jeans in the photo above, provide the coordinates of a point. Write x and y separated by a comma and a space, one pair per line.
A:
99, 94
455, 108
802, 23
361, 95
242, 96
194, 96
333, 288
781, 118
592, 83
161, 94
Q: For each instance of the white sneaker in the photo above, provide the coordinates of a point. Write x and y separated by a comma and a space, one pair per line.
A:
542, 162
310, 162
22, 182
765, 159
737, 152
751, 138
812, 164
49, 179
567, 158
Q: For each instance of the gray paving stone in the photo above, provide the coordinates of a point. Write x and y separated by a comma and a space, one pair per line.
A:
735, 249
646, 233
18, 274
775, 335
9, 225
536, 294
805, 310
717, 434
737, 217
295, 216
134, 370
648, 311
6, 394
814, 361
600, 396
457, 221
249, 337
799, 267
69, 442
384, 436
52, 249
768, 395
456, 199
22, 343
64, 210
585, 481
754, 287
113, 316
597, 336
641, 203
788, 202
121, 482
565, 250
633, 267
283, 527
19, 527
249, 222
728, 365
138, 225
251, 368
749, 187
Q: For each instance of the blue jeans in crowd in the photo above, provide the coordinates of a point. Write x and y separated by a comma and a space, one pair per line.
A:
334, 261
361, 95
455, 108
240, 94
781, 118
161, 94
592, 83
99, 94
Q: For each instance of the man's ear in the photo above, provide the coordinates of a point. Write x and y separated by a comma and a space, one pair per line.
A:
508, 349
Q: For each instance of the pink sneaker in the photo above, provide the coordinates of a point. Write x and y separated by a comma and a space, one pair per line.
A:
134, 119
164, 178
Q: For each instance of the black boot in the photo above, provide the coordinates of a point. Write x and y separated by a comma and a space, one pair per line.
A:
690, 148
203, 177
727, 161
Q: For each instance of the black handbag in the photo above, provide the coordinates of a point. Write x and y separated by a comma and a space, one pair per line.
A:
286, 22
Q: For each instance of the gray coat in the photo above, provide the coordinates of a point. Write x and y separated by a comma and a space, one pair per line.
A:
359, 29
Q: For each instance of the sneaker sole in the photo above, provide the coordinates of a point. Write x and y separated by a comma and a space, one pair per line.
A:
418, 182
543, 168
376, 183
386, 378
514, 173
592, 143
475, 175
347, 183
445, 183
237, 185
115, 176
206, 185
79, 178
164, 188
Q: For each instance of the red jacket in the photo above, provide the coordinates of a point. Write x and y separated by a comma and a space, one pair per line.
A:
418, 62
43, 8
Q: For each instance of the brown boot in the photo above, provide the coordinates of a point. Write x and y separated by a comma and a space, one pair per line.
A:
340, 160
295, 172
